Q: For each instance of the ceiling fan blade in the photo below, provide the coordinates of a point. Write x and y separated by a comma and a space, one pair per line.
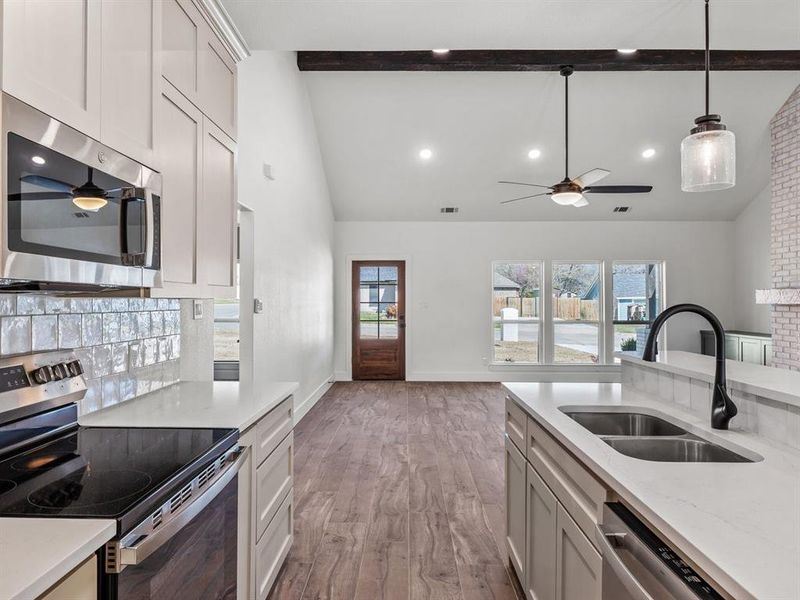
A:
547, 187
38, 196
591, 177
47, 182
618, 189
525, 197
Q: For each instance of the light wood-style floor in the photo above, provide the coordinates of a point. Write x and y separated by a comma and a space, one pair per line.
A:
399, 493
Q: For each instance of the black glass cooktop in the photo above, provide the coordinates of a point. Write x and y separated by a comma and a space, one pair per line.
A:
105, 472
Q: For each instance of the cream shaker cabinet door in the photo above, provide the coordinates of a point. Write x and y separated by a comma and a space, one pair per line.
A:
540, 544
218, 211
183, 32
79, 584
217, 83
180, 144
516, 468
579, 566
52, 59
130, 77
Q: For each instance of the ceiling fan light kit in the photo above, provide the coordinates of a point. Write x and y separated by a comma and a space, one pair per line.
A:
570, 192
708, 153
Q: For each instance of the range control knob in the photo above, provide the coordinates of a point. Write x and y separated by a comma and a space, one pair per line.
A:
75, 368
42, 375
60, 371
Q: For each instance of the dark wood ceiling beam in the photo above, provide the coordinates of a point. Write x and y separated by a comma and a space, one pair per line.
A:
549, 60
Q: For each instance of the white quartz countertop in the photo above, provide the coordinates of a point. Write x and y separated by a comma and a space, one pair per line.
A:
739, 522
196, 404
782, 385
36, 553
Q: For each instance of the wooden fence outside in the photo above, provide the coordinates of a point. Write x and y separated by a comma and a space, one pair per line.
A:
576, 309
527, 307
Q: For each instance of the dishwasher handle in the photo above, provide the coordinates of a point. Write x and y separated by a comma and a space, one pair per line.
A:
609, 542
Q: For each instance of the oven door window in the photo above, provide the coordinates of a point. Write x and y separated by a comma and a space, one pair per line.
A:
199, 561
47, 217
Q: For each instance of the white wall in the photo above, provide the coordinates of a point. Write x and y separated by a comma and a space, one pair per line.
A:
293, 337
752, 263
451, 340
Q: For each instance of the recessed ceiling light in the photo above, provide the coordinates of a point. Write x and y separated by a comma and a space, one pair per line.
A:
38, 160
649, 153
426, 154
441, 50
534, 153
626, 50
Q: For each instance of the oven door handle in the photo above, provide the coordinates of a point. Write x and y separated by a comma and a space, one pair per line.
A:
136, 553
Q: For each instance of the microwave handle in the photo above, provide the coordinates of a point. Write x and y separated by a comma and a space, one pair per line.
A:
136, 553
150, 223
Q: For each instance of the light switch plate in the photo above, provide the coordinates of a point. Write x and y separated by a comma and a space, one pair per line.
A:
197, 309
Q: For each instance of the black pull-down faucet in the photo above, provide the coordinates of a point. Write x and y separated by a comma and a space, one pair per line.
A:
722, 407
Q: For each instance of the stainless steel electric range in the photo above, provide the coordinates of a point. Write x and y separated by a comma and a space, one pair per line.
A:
172, 492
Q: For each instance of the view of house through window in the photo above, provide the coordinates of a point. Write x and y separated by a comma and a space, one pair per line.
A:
567, 319
637, 290
577, 305
516, 311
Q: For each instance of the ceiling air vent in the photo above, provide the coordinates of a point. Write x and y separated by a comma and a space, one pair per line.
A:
622, 209
448, 210
81, 215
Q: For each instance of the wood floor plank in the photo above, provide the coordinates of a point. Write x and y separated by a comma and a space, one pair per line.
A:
433, 571
335, 572
400, 495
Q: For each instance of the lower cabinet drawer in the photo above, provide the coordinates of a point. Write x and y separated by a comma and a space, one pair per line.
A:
515, 424
273, 547
273, 480
81, 583
575, 487
272, 428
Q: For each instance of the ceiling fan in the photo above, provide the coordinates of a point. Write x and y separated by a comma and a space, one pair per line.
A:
571, 191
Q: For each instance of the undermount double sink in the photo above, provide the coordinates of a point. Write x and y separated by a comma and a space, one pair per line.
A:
648, 437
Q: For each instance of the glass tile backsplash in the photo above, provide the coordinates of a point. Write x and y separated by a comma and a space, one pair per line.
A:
128, 346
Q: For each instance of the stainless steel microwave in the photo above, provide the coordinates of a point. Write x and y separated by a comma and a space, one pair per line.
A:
76, 214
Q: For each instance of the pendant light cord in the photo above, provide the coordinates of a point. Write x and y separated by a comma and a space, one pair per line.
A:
566, 127
708, 64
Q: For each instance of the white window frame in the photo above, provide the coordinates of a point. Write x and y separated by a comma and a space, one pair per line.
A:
611, 322
601, 333
541, 265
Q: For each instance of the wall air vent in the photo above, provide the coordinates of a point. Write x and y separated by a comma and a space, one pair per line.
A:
622, 209
448, 210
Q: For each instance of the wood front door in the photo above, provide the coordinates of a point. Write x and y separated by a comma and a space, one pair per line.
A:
379, 324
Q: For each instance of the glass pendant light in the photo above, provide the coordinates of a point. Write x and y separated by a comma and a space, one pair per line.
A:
708, 153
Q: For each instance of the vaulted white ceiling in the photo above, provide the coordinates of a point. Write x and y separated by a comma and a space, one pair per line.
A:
480, 126
423, 24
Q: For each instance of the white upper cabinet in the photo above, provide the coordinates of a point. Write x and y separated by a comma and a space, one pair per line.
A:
218, 84
196, 62
217, 223
182, 38
180, 143
52, 60
130, 76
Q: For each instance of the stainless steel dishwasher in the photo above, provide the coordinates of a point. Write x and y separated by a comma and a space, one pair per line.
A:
637, 565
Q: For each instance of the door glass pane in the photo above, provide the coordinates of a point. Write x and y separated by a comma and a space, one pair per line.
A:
576, 292
388, 312
369, 330
369, 274
387, 274
388, 330
369, 293
575, 343
386, 293
516, 342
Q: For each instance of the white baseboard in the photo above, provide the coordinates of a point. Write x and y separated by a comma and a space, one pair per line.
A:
301, 409
343, 376
610, 375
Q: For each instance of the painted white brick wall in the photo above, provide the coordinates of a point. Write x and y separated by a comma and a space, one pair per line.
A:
785, 224
128, 346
